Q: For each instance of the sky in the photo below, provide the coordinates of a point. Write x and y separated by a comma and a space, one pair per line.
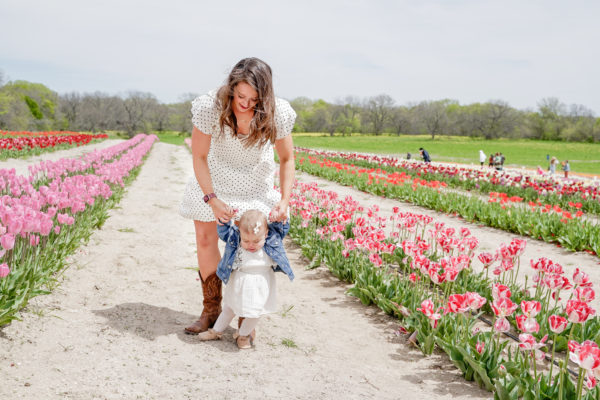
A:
470, 51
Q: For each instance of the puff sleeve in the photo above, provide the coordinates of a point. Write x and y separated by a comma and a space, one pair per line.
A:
285, 116
205, 115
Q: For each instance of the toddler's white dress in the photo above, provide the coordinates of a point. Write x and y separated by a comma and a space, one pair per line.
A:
251, 290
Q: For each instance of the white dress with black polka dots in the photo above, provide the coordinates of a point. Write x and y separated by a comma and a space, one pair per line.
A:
242, 177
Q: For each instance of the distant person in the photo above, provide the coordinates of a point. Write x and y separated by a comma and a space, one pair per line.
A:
498, 162
552, 167
502, 159
566, 168
408, 156
491, 160
425, 155
482, 157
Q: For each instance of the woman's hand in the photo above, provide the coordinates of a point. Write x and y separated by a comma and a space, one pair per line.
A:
222, 212
279, 212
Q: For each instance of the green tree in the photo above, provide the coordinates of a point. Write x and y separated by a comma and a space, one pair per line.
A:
28, 106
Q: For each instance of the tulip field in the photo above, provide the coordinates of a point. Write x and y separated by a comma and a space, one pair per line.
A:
546, 209
536, 338
520, 327
24, 144
46, 215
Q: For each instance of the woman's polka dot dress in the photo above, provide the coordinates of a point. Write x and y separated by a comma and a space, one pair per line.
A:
242, 177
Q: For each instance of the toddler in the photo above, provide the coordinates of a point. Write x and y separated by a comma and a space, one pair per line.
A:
252, 253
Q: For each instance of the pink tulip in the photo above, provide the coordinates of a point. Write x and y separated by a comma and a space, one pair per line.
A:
578, 311
500, 291
375, 259
528, 343
541, 264
590, 381
531, 308
4, 270
527, 325
503, 307
585, 294
502, 325
487, 259
580, 278
480, 346
475, 300
457, 303
7, 241
586, 355
557, 323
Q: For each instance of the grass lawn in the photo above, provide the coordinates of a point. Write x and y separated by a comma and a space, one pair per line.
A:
165, 136
583, 157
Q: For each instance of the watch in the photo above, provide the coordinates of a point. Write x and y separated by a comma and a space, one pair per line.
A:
209, 196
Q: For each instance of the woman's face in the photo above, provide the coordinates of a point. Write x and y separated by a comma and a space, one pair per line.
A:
245, 97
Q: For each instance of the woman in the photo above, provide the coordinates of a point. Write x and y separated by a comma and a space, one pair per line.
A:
482, 157
235, 130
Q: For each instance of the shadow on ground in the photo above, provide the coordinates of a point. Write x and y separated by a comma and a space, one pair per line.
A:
148, 321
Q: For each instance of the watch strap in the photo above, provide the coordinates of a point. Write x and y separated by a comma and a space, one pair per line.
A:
209, 196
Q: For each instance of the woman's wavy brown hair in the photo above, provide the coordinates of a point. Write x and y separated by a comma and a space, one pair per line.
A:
257, 74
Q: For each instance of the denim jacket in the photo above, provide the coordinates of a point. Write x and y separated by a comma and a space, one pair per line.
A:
230, 234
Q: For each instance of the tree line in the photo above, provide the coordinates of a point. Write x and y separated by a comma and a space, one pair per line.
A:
553, 120
34, 107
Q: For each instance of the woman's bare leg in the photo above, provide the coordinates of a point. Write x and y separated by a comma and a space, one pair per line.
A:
207, 247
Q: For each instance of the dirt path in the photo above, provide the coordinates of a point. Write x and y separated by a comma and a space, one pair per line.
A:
113, 328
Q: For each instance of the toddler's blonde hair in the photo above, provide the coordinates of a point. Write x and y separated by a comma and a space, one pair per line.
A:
251, 220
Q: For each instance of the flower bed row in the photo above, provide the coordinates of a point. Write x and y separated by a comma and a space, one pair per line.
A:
550, 224
15, 146
41, 133
421, 272
46, 216
531, 188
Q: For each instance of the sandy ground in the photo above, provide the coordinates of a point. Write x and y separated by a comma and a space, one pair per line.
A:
113, 328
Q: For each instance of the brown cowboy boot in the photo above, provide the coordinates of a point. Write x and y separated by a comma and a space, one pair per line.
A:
211, 290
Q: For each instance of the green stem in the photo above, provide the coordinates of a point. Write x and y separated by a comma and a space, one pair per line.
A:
579, 383
552, 361
535, 376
